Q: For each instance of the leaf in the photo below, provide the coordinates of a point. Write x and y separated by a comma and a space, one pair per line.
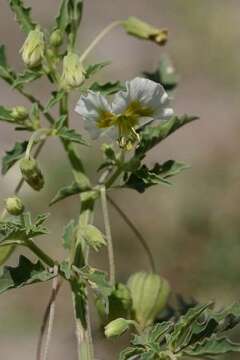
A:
165, 74
25, 273
143, 178
108, 88
92, 235
65, 192
94, 68
130, 353
5, 115
67, 134
26, 77
56, 98
182, 331
69, 16
5, 73
97, 280
23, 15
21, 228
13, 155
153, 135
142, 30
6, 252
69, 234
211, 347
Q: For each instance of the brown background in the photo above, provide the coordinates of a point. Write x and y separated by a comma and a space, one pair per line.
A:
192, 227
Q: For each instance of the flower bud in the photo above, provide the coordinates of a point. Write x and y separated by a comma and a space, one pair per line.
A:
33, 48
73, 71
116, 327
31, 173
149, 295
56, 38
14, 206
19, 113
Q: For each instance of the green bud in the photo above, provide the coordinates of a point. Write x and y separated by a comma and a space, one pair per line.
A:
73, 72
149, 295
120, 303
33, 48
14, 206
32, 174
116, 327
19, 113
56, 38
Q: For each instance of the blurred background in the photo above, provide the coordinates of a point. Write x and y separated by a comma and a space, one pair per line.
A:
193, 227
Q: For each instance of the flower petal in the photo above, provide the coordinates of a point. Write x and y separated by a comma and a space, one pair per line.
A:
90, 108
148, 93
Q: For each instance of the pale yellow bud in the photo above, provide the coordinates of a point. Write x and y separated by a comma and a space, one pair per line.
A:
33, 48
73, 72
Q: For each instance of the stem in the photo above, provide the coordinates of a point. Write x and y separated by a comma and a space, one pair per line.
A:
50, 317
35, 137
99, 37
135, 231
40, 253
46, 317
108, 235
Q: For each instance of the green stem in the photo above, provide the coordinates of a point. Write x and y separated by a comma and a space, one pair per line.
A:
40, 253
99, 37
108, 235
135, 231
36, 136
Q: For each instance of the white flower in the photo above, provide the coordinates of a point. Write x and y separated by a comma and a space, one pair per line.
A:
142, 102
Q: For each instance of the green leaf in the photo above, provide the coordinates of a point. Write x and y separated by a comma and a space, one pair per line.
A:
23, 15
5, 253
5, 115
25, 273
13, 155
26, 77
182, 330
142, 30
153, 135
211, 347
5, 73
55, 99
97, 280
130, 353
65, 192
67, 134
143, 178
165, 74
69, 234
94, 68
21, 229
92, 235
108, 88
69, 17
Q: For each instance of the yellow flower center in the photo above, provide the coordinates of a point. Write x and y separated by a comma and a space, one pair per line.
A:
126, 123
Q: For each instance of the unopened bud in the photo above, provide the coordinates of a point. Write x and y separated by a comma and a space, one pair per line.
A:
32, 174
33, 48
116, 327
14, 206
56, 38
19, 113
73, 72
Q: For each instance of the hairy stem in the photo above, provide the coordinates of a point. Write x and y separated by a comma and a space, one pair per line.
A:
40, 253
108, 235
98, 38
135, 231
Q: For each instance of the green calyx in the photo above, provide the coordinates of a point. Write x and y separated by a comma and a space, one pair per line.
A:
149, 295
33, 48
32, 174
14, 206
19, 113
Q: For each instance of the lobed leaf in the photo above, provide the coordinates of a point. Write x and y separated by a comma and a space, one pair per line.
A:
23, 15
143, 177
108, 88
65, 192
25, 273
13, 155
5, 72
69, 234
94, 68
26, 77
